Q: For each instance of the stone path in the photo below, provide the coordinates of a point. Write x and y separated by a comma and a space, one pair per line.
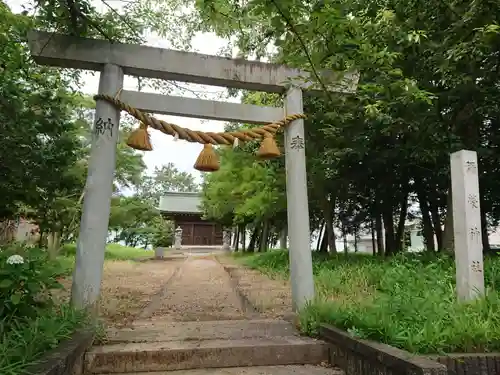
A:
199, 290
199, 324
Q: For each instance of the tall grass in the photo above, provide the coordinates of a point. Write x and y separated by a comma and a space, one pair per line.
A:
408, 301
26, 341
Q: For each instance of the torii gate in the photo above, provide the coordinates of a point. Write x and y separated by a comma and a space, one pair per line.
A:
114, 60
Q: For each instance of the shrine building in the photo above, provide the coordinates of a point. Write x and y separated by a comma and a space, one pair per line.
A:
183, 209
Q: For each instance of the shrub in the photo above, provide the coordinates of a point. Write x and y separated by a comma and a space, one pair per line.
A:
68, 249
163, 240
26, 279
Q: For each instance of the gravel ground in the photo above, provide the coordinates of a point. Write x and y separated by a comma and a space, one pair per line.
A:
128, 287
201, 290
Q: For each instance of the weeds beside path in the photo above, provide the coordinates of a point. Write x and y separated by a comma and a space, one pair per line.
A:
271, 297
407, 301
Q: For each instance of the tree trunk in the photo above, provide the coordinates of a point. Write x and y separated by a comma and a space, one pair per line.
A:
323, 246
427, 230
374, 245
253, 238
436, 223
42, 233
283, 238
243, 237
53, 244
344, 235
327, 210
234, 236
321, 236
355, 240
448, 235
390, 246
380, 235
264, 237
402, 221
236, 243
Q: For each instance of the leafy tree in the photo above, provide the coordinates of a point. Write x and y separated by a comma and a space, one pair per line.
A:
38, 143
135, 222
427, 75
165, 179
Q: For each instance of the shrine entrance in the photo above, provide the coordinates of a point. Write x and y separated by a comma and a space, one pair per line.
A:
114, 60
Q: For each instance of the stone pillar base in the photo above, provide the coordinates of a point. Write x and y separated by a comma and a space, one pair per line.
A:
159, 253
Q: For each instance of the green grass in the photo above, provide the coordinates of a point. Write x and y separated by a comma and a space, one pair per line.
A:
408, 301
113, 252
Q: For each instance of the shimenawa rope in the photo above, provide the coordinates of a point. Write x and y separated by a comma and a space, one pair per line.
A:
208, 159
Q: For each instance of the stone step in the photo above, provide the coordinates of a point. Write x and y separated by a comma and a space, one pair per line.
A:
258, 370
158, 330
185, 355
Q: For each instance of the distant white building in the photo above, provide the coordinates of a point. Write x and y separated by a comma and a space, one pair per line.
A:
413, 239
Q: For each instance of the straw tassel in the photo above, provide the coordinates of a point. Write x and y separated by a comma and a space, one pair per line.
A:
268, 148
208, 160
139, 138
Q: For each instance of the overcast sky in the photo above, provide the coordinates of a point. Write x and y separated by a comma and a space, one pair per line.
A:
165, 149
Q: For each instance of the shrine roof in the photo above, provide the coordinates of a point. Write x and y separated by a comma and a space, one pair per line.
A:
180, 202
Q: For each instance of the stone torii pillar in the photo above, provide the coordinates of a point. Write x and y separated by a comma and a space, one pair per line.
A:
91, 243
300, 254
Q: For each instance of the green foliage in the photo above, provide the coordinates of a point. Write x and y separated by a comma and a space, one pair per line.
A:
244, 189
24, 341
428, 71
46, 130
30, 322
136, 222
164, 236
26, 280
165, 179
38, 133
408, 301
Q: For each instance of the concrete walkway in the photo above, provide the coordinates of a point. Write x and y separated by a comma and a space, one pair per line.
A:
199, 325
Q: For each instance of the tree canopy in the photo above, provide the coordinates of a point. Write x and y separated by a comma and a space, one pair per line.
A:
46, 128
428, 87
376, 159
